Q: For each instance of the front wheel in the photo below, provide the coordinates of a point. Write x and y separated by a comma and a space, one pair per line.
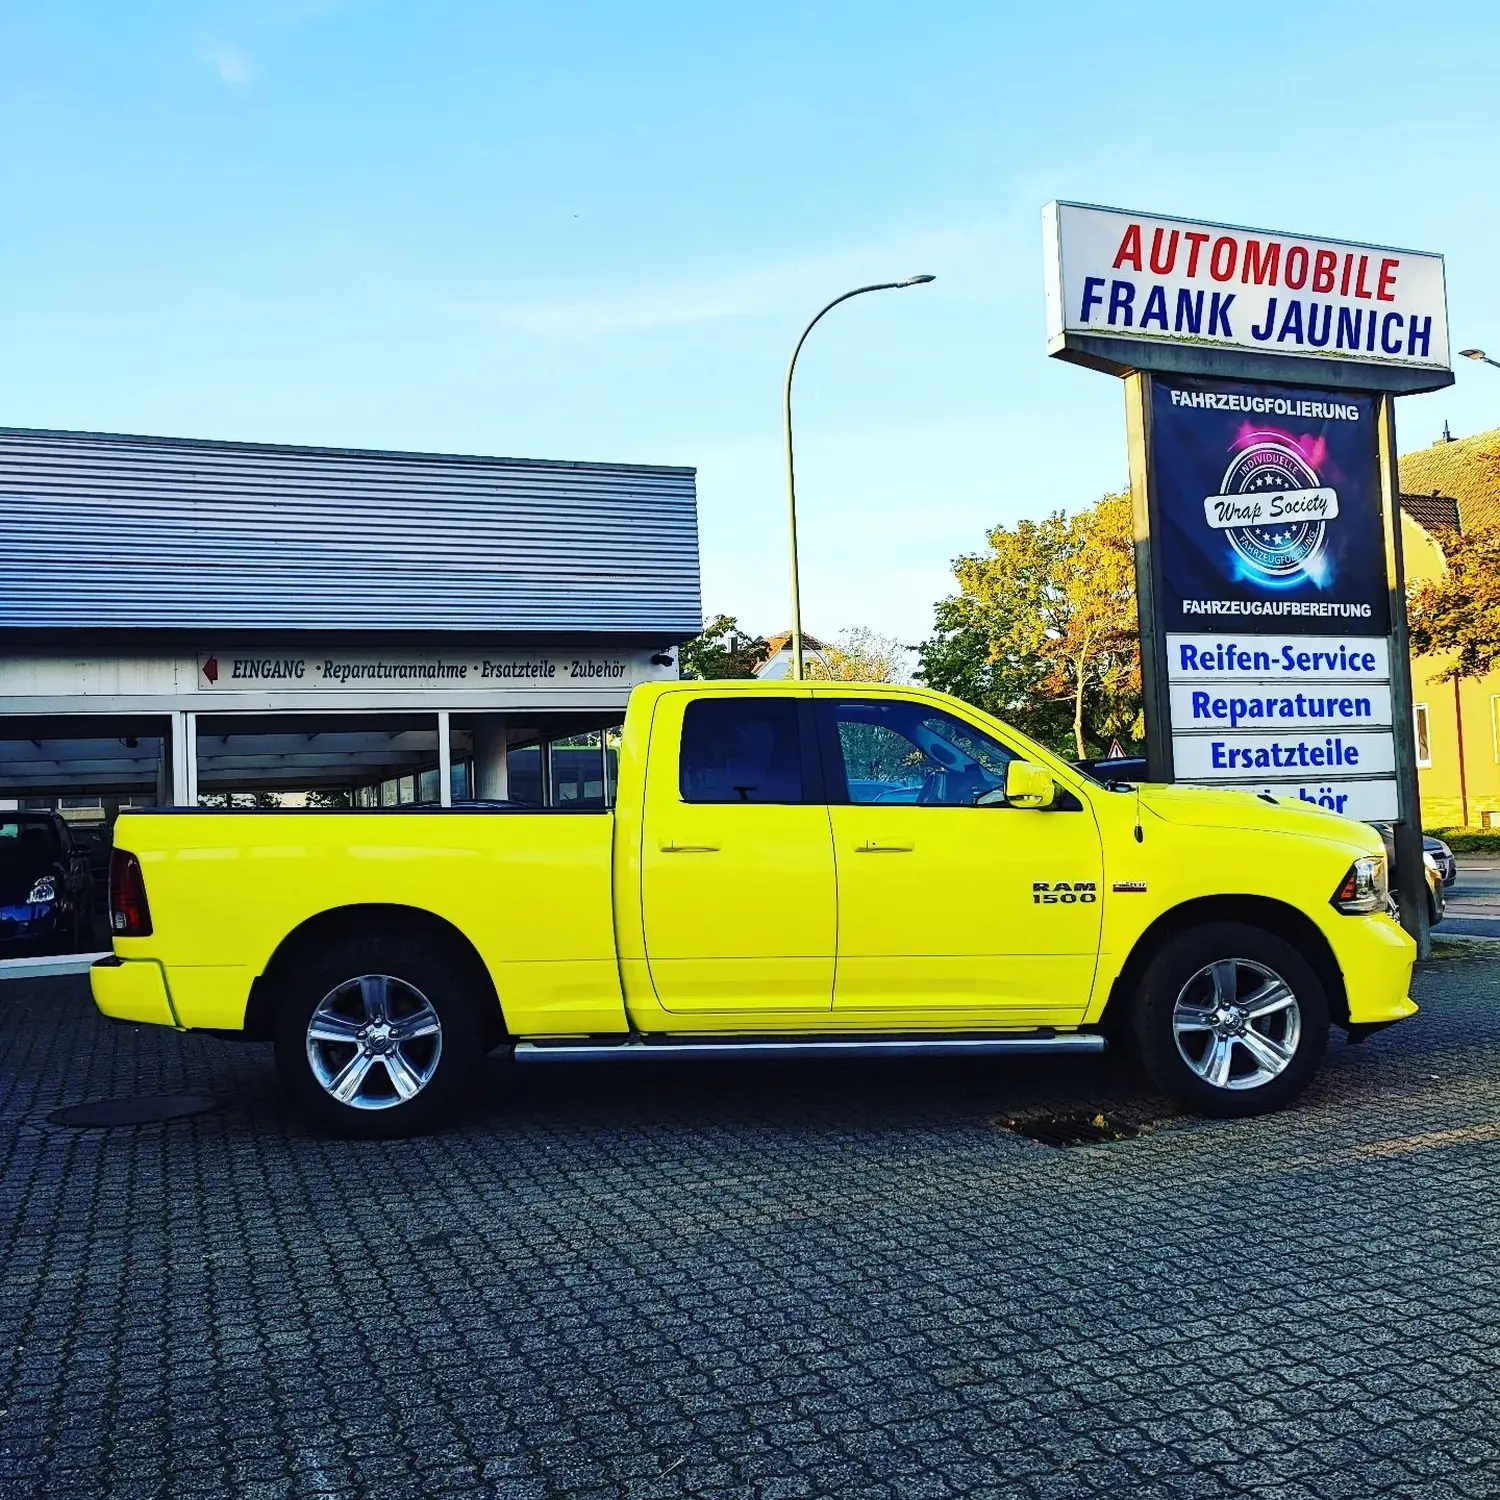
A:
380, 1035
1230, 1020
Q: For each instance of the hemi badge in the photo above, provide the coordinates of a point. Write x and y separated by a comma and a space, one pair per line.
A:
1129, 885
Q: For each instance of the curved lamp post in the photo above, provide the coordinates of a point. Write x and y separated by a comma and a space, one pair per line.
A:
1478, 354
791, 471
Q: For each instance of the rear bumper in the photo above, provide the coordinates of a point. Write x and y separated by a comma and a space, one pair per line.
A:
1376, 959
132, 990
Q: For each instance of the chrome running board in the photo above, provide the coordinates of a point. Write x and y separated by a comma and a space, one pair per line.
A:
641, 1049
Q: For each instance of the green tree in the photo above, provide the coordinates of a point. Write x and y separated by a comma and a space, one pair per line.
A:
1043, 629
330, 797
1460, 612
860, 655
264, 801
723, 650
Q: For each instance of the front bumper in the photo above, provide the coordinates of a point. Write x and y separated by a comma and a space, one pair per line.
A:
1375, 956
128, 989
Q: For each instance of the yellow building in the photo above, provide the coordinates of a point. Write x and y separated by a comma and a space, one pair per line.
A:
1454, 485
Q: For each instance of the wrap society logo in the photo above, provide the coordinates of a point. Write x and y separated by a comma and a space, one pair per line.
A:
1274, 510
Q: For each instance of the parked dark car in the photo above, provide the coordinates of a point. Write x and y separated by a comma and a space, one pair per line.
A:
46, 891
95, 839
1442, 857
1117, 768
1437, 898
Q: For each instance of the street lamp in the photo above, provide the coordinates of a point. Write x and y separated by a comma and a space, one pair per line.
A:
1479, 354
791, 472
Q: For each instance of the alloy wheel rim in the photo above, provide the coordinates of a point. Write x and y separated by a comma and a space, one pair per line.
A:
1237, 1024
374, 1042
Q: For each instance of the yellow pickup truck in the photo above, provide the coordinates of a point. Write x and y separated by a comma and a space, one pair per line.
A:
788, 868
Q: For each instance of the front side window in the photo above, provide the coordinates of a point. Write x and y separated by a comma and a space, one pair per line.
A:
901, 751
741, 750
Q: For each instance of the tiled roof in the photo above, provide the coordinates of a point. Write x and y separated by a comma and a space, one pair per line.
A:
784, 638
1432, 512
1467, 469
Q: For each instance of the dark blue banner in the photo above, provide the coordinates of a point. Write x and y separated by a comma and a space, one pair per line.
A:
1267, 509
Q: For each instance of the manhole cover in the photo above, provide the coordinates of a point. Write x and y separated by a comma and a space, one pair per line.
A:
1081, 1128
149, 1109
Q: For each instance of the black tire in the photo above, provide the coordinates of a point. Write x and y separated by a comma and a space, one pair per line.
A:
1188, 1068
334, 984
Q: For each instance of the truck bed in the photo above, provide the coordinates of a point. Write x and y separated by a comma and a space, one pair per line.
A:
530, 891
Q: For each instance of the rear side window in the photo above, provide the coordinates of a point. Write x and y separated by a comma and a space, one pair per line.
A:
741, 750
28, 839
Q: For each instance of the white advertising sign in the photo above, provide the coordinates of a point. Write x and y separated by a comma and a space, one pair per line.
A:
1278, 658
241, 670
1295, 755
1368, 801
1307, 717
1279, 706
1179, 281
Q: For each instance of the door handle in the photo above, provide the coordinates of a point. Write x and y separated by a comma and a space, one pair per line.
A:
670, 846
882, 846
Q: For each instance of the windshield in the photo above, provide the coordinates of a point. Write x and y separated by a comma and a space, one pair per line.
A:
28, 848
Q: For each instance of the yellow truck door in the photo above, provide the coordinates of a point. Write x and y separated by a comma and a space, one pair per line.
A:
949, 899
737, 881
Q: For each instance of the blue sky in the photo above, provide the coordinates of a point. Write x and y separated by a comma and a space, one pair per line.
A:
593, 230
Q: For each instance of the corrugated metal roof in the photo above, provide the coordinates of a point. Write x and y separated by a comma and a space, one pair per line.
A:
101, 530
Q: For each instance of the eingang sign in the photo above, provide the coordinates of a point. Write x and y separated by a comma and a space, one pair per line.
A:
241, 670
1145, 279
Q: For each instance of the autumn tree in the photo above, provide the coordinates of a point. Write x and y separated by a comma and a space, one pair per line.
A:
1043, 629
721, 651
860, 655
1460, 612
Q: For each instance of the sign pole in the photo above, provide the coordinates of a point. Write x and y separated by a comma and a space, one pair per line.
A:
1156, 699
1409, 875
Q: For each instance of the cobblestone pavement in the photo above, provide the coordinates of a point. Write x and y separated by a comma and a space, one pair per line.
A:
803, 1281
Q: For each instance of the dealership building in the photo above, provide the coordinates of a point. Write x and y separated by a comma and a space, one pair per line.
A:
185, 622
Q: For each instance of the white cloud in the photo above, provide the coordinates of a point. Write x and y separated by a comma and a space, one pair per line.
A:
233, 64
267, 23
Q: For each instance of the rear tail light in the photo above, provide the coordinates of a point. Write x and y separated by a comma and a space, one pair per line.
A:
129, 915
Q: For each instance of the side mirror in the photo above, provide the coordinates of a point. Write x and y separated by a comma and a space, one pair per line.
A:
1029, 785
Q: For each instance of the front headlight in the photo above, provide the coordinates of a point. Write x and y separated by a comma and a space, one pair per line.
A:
1363, 889
43, 891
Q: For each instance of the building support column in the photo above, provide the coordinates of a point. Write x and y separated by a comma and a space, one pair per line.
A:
491, 774
1409, 874
445, 759
184, 759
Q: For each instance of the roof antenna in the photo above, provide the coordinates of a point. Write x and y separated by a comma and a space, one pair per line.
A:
1140, 833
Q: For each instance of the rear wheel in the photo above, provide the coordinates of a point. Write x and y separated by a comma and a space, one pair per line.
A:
379, 1035
1230, 1019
